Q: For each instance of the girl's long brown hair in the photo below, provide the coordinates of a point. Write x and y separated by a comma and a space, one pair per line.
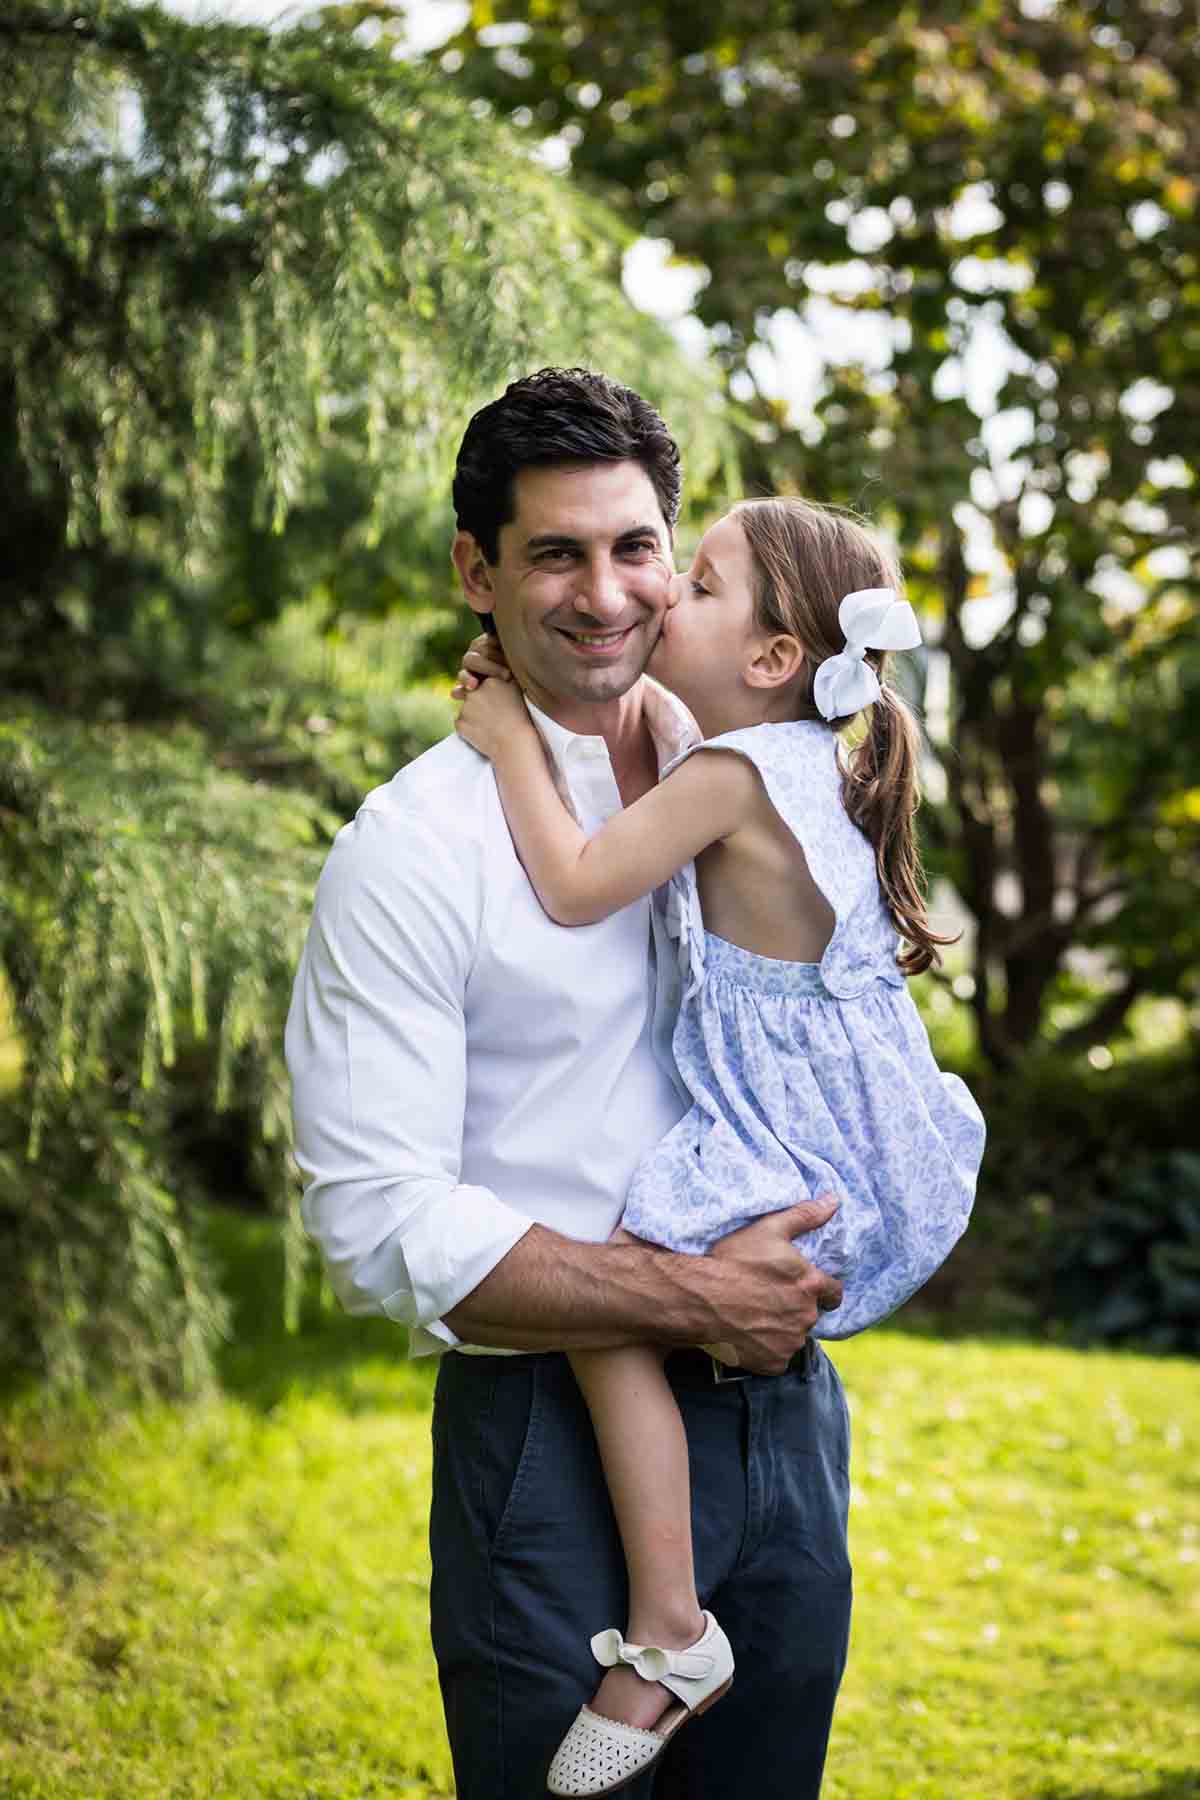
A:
807, 558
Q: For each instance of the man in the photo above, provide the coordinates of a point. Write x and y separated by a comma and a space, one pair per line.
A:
474, 1087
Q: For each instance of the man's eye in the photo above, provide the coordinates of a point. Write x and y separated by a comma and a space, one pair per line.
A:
641, 547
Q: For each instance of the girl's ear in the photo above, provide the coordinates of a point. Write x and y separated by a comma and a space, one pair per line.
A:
474, 571
776, 661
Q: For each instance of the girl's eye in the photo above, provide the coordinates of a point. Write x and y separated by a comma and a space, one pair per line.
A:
698, 587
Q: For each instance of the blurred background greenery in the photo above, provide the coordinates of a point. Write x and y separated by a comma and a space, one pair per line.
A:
941, 264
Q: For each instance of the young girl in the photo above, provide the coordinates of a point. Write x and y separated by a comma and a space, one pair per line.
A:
793, 868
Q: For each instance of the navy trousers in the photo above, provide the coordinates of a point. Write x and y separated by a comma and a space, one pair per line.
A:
527, 1565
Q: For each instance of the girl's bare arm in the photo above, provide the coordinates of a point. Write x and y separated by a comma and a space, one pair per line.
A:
580, 880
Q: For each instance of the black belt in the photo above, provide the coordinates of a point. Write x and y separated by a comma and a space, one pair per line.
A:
698, 1368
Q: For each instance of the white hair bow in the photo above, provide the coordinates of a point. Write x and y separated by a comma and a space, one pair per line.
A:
872, 619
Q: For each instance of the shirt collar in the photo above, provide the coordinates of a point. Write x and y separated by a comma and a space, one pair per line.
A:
670, 724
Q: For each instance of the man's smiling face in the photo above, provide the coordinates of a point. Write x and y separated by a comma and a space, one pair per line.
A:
582, 581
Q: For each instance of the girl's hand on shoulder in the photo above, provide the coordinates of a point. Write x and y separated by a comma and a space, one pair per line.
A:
483, 659
492, 717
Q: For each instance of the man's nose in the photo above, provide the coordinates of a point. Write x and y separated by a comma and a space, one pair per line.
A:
601, 591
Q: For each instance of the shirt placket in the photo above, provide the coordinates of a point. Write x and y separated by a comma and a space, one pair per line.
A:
591, 782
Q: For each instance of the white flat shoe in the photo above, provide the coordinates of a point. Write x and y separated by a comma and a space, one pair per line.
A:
600, 1755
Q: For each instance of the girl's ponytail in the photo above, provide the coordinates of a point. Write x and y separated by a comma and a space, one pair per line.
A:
879, 791
807, 559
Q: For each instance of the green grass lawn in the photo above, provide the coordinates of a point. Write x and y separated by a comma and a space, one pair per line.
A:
230, 1601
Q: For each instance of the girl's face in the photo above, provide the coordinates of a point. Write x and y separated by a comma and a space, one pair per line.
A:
709, 638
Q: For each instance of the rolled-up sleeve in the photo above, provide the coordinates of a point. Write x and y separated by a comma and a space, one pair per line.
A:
376, 1049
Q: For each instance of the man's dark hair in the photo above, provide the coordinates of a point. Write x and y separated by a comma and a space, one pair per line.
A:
557, 416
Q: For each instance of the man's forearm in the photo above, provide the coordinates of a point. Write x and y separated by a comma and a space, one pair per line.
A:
554, 1293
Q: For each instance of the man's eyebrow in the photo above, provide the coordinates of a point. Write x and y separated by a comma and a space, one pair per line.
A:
549, 540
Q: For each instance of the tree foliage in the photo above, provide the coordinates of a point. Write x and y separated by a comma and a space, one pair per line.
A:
251, 285
1008, 196
154, 908
229, 251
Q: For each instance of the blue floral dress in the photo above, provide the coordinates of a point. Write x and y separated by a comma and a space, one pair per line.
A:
811, 1078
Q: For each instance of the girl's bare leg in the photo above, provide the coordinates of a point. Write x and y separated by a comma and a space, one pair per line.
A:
644, 1452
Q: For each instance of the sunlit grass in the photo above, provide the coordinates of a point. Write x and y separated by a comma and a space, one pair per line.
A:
1026, 1537
232, 1601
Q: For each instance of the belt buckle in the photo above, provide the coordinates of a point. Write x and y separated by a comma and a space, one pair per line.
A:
723, 1372
802, 1363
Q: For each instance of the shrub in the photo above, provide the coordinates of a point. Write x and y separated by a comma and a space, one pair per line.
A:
1065, 1141
1132, 1269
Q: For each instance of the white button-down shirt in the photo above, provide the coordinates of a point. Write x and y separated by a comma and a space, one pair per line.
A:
462, 1066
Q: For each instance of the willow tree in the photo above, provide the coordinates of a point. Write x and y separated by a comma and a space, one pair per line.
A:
1008, 196
242, 274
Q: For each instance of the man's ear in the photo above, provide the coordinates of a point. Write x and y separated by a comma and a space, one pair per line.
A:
776, 661
474, 571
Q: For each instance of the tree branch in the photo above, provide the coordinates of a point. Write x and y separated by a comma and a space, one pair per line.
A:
1105, 1019
1087, 903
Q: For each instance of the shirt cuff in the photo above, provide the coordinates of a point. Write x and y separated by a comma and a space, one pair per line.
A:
450, 1245
433, 1339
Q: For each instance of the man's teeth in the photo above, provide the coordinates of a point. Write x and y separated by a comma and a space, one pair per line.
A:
597, 637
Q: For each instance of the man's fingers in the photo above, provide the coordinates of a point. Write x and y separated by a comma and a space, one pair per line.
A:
796, 1220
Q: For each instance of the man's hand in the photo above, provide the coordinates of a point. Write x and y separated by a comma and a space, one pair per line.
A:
754, 1292
771, 1294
